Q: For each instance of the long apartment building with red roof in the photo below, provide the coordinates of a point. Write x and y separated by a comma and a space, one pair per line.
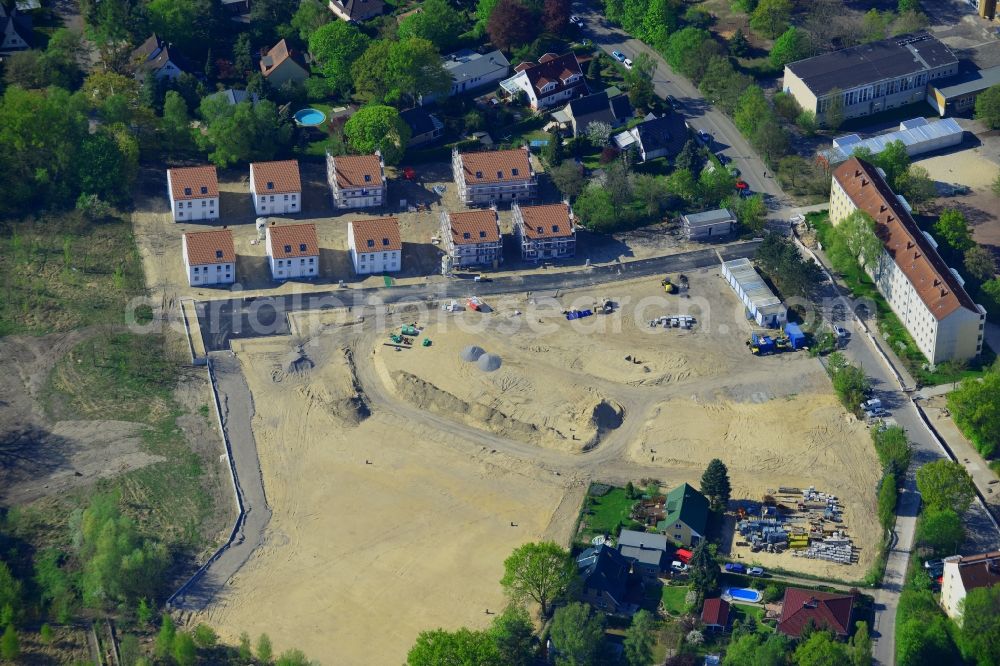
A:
928, 297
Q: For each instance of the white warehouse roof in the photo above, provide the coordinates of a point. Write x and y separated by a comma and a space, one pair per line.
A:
918, 135
753, 286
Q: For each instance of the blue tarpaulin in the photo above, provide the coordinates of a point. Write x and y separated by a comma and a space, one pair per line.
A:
796, 338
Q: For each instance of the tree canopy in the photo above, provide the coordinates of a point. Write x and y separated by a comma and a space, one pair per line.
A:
793, 44
335, 47
770, 18
953, 229
988, 107
538, 571
981, 626
715, 484
402, 71
941, 530
976, 410
438, 22
376, 127
242, 132
577, 634
944, 484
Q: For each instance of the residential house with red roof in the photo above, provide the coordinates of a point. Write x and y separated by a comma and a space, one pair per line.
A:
209, 257
472, 238
292, 251
356, 181
823, 610
715, 614
194, 193
963, 574
375, 245
550, 81
154, 56
928, 297
494, 176
280, 64
545, 232
275, 187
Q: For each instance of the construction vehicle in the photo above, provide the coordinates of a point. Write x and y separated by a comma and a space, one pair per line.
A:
426, 342
761, 344
668, 286
474, 304
608, 306
410, 330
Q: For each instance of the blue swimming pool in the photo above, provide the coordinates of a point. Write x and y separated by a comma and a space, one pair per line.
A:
743, 594
309, 117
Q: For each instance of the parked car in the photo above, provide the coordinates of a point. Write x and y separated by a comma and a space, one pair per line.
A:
725, 159
736, 567
678, 566
872, 404
576, 20
756, 571
841, 332
618, 55
672, 101
627, 63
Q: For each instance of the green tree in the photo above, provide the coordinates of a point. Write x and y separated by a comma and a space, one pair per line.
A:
722, 84
941, 530
739, 46
683, 51
792, 45
205, 637
639, 80
995, 185
46, 634
944, 484
875, 25
954, 230
143, 613
858, 233
243, 53
979, 263
893, 449
10, 647
243, 132
405, 70
294, 657
577, 634
568, 178
538, 571
513, 634
770, 139
851, 385
859, 647
751, 212
271, 19
187, 24
981, 626
916, 185
834, 116
682, 183
821, 649
165, 637
715, 185
894, 160
976, 410
176, 123
887, 496
988, 107
908, 6
379, 128
484, 8
10, 595
335, 47
690, 158
459, 647
715, 484
265, 652
771, 17
921, 640
553, 150
639, 639
704, 570
438, 23
184, 650
243, 651
310, 17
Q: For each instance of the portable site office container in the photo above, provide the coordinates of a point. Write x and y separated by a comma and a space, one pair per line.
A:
762, 305
796, 338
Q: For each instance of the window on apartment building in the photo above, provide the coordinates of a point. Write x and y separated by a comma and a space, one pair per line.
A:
293, 197
218, 269
281, 262
190, 204
195, 269
228, 276
286, 197
180, 214
312, 270
312, 260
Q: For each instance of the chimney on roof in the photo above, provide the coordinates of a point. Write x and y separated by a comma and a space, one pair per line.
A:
857, 173
937, 282
909, 245
864, 181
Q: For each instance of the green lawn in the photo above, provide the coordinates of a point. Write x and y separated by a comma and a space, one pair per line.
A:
605, 514
672, 598
742, 611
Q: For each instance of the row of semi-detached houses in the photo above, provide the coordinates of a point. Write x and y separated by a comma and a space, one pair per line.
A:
471, 238
356, 181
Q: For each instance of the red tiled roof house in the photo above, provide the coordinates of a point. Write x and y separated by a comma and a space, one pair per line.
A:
280, 64
209, 257
472, 238
375, 245
553, 79
292, 251
495, 176
821, 609
276, 187
356, 181
545, 232
715, 614
962, 574
194, 193
928, 297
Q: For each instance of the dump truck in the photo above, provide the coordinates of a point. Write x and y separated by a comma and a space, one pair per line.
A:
668, 286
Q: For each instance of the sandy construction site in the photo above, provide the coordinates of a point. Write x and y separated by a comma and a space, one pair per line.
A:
400, 480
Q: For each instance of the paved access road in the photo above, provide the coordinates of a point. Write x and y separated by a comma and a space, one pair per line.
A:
223, 320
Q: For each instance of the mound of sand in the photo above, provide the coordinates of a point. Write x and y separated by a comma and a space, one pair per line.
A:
297, 362
489, 362
472, 353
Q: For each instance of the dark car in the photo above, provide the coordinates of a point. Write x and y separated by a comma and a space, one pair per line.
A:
735, 567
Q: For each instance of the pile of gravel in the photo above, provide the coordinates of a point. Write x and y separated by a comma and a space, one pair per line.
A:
472, 353
489, 362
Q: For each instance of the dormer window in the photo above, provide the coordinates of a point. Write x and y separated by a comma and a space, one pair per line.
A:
482, 234
385, 242
204, 190
368, 178
187, 191
288, 248
270, 185
218, 254
540, 229
479, 174
499, 175
466, 235
302, 247
371, 243
555, 228
513, 172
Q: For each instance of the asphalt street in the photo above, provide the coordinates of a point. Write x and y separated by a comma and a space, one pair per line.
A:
223, 320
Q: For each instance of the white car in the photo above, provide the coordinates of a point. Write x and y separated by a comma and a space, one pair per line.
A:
840, 331
627, 63
576, 20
